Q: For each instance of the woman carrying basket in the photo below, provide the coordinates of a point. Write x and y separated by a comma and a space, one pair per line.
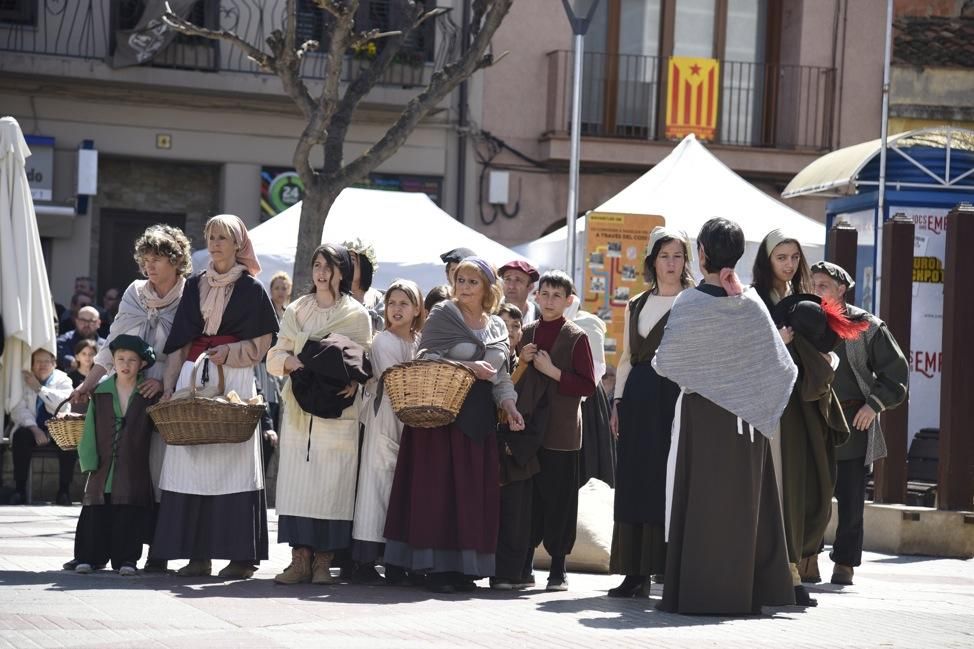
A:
213, 504
319, 456
147, 310
444, 508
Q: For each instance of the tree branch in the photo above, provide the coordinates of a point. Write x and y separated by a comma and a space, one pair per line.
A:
442, 83
362, 38
258, 56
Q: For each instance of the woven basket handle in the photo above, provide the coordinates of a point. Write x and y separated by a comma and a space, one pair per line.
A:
58, 409
220, 386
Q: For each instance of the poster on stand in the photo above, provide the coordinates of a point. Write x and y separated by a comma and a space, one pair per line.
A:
926, 337
615, 246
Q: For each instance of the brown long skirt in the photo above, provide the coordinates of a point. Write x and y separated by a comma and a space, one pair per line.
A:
726, 553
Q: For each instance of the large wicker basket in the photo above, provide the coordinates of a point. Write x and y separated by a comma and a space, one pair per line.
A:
195, 420
427, 394
66, 429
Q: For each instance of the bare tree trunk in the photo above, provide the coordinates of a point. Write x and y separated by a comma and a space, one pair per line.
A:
314, 211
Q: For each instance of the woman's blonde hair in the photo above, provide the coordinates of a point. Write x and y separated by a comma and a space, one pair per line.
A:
493, 292
411, 290
281, 275
165, 241
221, 225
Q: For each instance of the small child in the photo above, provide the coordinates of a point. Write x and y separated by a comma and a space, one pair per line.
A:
513, 318
114, 452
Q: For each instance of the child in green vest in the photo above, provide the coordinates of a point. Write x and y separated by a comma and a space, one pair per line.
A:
114, 452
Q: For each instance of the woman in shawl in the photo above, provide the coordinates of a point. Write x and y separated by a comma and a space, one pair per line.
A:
397, 343
147, 310
213, 504
642, 415
443, 512
722, 501
318, 457
812, 424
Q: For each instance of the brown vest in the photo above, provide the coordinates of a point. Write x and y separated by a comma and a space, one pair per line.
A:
564, 429
131, 482
642, 350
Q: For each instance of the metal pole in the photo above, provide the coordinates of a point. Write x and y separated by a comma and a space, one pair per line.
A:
881, 202
572, 210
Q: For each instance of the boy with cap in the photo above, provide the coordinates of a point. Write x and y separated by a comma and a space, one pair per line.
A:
519, 279
114, 452
452, 259
558, 349
872, 377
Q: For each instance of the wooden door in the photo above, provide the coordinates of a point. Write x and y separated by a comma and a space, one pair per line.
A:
119, 229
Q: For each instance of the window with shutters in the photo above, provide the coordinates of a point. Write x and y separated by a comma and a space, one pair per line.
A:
18, 12
383, 15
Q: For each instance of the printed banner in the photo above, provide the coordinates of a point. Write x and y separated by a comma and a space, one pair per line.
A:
615, 246
151, 34
691, 104
926, 338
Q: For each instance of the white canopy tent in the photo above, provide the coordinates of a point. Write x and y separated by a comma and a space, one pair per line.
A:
688, 187
408, 230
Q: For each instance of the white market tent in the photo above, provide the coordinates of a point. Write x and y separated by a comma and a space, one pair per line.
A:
688, 187
408, 230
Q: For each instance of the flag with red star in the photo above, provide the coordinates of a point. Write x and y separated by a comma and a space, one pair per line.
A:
691, 98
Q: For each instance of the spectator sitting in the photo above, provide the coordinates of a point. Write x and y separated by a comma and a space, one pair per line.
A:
45, 387
87, 323
84, 356
109, 309
67, 316
85, 285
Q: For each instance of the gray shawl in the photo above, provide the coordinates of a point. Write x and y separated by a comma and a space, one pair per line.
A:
727, 350
445, 329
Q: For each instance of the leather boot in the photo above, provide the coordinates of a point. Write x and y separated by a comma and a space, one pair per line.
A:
321, 568
196, 568
842, 575
299, 571
238, 570
808, 570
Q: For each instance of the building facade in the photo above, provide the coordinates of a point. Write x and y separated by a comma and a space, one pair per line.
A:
194, 130
797, 78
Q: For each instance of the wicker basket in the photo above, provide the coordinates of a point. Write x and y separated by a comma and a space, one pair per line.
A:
427, 394
66, 429
197, 420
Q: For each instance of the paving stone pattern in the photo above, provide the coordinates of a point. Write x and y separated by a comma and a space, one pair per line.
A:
905, 602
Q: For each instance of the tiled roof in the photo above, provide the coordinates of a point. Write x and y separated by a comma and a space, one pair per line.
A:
935, 41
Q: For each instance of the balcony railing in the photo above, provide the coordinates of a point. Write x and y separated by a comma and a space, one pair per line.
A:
759, 104
89, 29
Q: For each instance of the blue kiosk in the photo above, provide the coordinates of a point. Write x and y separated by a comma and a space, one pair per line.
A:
928, 172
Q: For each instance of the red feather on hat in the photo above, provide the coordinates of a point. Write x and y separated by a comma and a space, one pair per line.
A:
840, 323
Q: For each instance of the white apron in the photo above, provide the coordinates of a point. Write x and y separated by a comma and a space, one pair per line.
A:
318, 481
215, 469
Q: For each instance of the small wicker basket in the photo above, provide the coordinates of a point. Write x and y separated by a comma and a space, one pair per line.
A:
427, 393
66, 429
195, 420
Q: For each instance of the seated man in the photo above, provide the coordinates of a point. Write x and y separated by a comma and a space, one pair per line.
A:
45, 387
87, 324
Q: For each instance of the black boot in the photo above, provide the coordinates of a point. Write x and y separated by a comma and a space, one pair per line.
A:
631, 586
440, 582
802, 598
557, 579
396, 576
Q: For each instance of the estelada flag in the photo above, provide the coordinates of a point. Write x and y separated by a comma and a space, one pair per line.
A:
691, 98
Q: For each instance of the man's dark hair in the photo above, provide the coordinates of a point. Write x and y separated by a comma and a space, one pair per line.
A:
557, 279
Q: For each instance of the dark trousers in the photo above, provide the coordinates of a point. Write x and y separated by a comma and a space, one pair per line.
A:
514, 534
555, 504
23, 445
850, 492
110, 533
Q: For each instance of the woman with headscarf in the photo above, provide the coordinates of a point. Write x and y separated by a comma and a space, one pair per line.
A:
213, 504
147, 310
443, 514
642, 414
725, 551
812, 424
318, 456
